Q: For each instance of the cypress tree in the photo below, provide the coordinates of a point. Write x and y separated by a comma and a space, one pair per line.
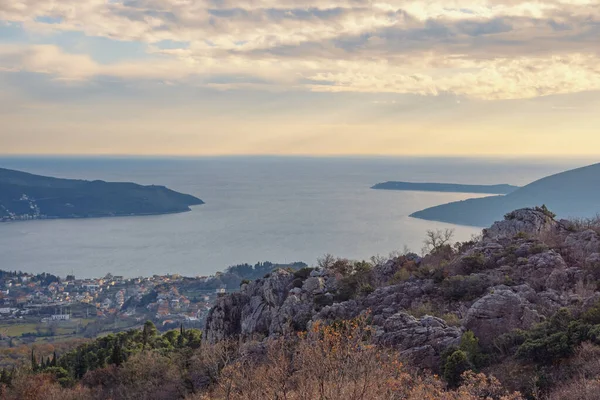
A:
34, 364
149, 332
53, 363
117, 355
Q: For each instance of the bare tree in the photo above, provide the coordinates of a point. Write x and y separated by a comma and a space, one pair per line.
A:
326, 261
435, 240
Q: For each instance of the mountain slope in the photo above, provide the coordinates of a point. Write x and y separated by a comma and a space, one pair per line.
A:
28, 196
573, 193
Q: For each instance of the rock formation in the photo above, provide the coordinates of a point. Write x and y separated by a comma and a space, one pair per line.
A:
510, 279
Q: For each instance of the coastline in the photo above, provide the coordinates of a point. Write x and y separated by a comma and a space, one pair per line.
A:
100, 216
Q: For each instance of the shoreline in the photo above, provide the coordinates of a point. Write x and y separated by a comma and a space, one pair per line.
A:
100, 216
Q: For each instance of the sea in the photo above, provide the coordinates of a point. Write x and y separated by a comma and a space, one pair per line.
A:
280, 209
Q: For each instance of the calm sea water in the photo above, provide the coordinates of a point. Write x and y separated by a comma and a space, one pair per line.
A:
273, 208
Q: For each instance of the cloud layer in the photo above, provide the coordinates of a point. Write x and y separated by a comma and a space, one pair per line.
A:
483, 49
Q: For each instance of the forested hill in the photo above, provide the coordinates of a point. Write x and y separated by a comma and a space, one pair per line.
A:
446, 187
570, 194
26, 196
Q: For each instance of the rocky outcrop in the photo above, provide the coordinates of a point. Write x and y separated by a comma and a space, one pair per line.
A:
593, 259
542, 271
251, 312
499, 312
505, 281
527, 220
420, 340
384, 272
225, 317
587, 242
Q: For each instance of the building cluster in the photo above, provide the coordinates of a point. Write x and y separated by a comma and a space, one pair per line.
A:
159, 298
32, 213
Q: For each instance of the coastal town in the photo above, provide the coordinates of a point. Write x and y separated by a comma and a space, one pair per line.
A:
45, 307
87, 307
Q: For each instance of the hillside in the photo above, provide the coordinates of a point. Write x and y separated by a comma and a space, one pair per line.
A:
445, 187
569, 194
516, 310
27, 196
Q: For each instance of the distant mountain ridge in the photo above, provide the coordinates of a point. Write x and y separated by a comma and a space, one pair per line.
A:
446, 187
571, 194
26, 196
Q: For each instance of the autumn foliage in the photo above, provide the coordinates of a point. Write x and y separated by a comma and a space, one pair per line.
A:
329, 362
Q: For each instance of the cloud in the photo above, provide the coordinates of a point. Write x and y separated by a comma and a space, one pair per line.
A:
487, 49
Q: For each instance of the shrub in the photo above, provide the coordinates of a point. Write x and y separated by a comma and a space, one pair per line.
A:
473, 263
592, 315
421, 310
402, 275
322, 300
358, 275
521, 235
538, 248
303, 273
244, 282
547, 349
428, 271
556, 339
297, 283
462, 287
456, 364
508, 343
469, 343
451, 319
337, 362
543, 209
366, 289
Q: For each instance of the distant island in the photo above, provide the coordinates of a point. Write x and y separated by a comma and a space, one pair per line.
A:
25, 196
570, 194
446, 187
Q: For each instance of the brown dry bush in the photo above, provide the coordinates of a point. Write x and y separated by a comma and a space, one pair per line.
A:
149, 375
336, 362
42, 387
581, 389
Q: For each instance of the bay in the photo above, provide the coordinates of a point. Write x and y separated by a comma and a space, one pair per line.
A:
281, 209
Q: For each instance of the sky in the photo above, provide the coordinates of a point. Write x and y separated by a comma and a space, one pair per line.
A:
300, 77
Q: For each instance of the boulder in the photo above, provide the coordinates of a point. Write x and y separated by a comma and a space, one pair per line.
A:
314, 285
420, 340
499, 312
543, 270
526, 220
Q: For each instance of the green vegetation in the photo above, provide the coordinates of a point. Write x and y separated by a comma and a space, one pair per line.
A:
543, 209
356, 278
464, 287
115, 349
473, 263
23, 194
467, 356
303, 273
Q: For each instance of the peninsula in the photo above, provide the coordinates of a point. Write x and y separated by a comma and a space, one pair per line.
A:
570, 194
25, 196
446, 187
